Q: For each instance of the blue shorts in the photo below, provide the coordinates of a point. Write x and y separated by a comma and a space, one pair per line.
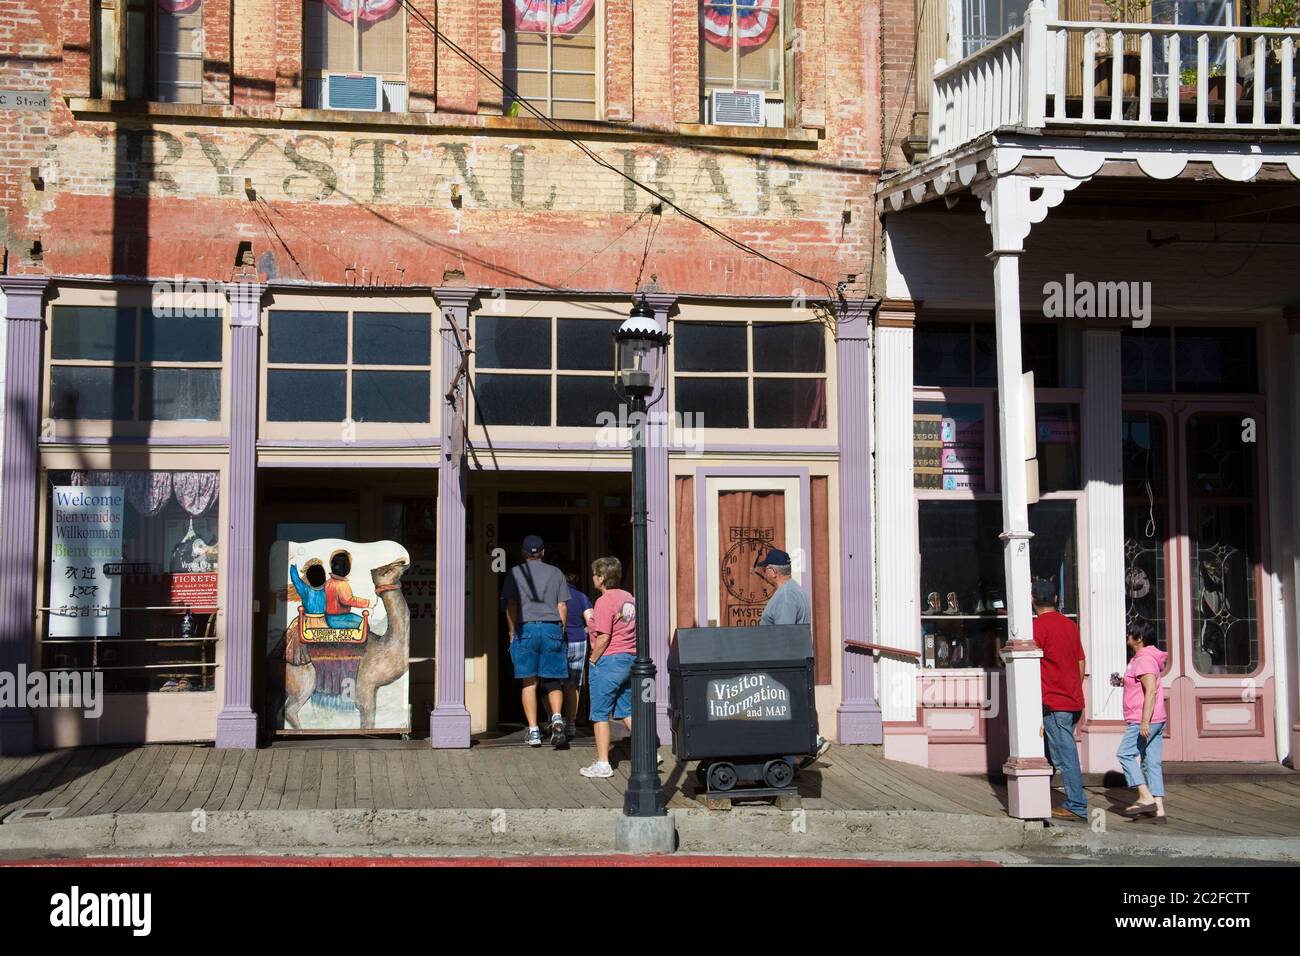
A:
577, 660
539, 651
610, 683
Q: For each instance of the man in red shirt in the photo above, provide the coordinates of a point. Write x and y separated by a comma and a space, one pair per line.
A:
1062, 675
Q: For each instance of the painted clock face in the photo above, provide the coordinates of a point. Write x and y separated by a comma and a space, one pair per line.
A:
738, 575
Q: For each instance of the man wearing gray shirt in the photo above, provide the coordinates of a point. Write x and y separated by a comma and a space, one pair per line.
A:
536, 598
788, 604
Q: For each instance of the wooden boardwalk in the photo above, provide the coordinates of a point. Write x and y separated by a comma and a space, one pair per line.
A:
410, 775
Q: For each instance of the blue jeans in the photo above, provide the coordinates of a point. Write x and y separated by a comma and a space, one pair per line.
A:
1137, 755
1058, 731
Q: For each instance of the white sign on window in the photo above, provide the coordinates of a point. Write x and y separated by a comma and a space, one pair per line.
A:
87, 536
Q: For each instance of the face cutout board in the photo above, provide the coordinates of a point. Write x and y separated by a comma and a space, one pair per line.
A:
338, 637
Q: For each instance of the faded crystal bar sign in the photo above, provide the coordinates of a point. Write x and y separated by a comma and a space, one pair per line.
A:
748, 697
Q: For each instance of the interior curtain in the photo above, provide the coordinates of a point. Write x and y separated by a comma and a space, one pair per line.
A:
196, 491
147, 491
685, 552
750, 523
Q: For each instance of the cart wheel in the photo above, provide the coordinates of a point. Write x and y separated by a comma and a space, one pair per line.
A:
777, 773
722, 776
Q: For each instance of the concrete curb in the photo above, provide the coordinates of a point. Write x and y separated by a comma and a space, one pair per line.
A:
759, 831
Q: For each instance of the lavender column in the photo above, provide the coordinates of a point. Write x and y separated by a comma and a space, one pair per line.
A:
859, 713
659, 518
449, 722
24, 317
237, 722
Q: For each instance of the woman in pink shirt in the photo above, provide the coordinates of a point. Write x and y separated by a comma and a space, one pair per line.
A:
1144, 713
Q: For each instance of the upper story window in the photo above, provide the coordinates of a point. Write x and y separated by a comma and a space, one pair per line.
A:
128, 364
354, 55
745, 58
550, 57
543, 371
750, 375
151, 50
349, 366
983, 21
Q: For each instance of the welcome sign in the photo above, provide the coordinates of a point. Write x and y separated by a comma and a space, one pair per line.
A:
87, 533
748, 697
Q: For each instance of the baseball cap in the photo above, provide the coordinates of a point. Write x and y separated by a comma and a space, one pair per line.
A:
774, 557
533, 544
1044, 592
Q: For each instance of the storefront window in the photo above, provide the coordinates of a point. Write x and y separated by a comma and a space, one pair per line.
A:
1145, 507
133, 578
948, 450
357, 366
1190, 359
1057, 450
127, 364
964, 354
755, 375
538, 371
963, 591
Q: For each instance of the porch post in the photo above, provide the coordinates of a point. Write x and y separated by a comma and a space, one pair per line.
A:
859, 719
1028, 772
659, 525
237, 722
898, 580
1103, 461
449, 722
19, 493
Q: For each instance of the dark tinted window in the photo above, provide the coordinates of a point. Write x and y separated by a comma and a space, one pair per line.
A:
715, 402
390, 396
390, 338
579, 399
1145, 360
512, 343
1038, 354
1215, 360
305, 395
93, 333
586, 344
180, 338
941, 355
789, 347
180, 394
308, 338
81, 392
512, 399
709, 347
789, 403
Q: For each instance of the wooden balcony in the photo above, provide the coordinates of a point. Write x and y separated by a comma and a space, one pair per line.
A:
1054, 75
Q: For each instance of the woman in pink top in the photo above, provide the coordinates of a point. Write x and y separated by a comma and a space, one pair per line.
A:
1144, 713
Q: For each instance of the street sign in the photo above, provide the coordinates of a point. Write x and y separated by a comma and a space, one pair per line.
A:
28, 100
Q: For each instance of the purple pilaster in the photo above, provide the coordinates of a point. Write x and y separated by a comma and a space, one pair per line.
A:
859, 713
237, 722
24, 318
449, 723
659, 521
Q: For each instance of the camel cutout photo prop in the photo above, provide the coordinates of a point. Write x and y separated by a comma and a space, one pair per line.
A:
338, 637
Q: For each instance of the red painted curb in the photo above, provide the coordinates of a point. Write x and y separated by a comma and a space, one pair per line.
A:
504, 862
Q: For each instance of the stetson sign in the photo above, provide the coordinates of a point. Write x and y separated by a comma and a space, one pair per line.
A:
748, 697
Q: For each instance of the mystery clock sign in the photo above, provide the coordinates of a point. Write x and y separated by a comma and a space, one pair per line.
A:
748, 589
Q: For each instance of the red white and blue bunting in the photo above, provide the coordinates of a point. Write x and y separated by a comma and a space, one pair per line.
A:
178, 6
370, 10
755, 21
566, 16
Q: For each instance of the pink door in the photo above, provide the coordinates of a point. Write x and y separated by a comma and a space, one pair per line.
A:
1194, 560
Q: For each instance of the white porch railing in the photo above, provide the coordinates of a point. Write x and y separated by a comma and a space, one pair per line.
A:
1126, 75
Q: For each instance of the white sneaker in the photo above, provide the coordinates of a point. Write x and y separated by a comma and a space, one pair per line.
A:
598, 769
534, 737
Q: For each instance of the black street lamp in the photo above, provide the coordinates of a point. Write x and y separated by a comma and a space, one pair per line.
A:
639, 347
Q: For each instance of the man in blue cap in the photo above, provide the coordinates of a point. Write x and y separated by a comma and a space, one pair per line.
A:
536, 597
788, 604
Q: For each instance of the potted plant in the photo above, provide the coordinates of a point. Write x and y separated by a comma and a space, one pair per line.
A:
1122, 11
1280, 14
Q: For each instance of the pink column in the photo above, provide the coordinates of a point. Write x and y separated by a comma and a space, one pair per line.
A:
237, 722
24, 321
449, 721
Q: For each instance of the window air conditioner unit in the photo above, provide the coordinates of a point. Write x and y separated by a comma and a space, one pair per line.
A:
736, 108
354, 91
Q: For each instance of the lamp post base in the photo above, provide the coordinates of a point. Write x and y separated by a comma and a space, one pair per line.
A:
645, 834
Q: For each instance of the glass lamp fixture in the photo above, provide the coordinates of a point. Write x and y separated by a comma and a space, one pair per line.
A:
639, 347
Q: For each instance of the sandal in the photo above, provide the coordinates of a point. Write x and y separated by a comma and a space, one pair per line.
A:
1140, 809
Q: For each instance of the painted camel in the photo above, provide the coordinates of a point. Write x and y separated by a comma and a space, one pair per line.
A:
383, 661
